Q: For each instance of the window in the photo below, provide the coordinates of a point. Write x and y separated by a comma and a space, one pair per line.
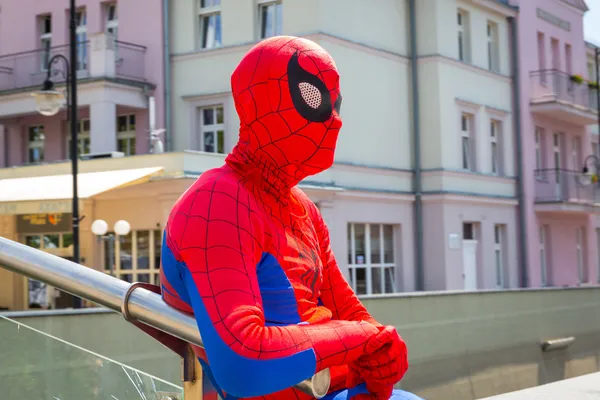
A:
543, 254
499, 235
539, 164
212, 129
83, 137
45, 40
467, 143
569, 58
81, 33
576, 154
463, 36
137, 256
492, 46
112, 21
496, 147
468, 231
591, 67
371, 258
541, 48
126, 134
556, 151
35, 144
209, 18
580, 245
270, 19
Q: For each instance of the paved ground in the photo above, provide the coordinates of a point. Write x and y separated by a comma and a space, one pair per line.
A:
586, 387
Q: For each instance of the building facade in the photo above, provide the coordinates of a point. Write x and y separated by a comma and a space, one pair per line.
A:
558, 106
434, 143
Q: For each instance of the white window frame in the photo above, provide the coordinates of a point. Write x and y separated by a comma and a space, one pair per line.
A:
539, 161
45, 38
36, 144
216, 128
543, 234
155, 237
83, 138
499, 234
262, 4
466, 138
496, 146
112, 25
81, 31
557, 154
368, 266
127, 134
579, 246
462, 22
204, 14
576, 153
492, 46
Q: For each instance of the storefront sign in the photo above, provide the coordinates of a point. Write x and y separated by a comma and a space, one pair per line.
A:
35, 207
553, 19
44, 223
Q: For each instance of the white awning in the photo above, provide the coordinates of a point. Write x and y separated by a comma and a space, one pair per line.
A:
47, 194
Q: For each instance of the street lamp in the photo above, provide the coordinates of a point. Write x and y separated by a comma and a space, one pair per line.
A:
48, 103
100, 227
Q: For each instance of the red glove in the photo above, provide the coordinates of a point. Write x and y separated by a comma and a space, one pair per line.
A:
383, 364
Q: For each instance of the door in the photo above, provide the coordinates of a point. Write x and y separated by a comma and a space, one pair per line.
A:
63, 299
470, 264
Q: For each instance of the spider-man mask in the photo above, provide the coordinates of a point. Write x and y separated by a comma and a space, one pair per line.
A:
287, 95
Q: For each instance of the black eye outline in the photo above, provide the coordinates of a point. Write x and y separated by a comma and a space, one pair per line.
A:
296, 76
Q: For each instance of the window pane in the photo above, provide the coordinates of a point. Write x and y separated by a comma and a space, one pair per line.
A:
220, 142
465, 152
208, 116
143, 278
388, 244
390, 280
375, 244
51, 241
359, 243
498, 269
109, 262
157, 248
122, 123
67, 239
278, 19
126, 252
127, 277
376, 280
143, 249
33, 241
209, 142
349, 230
361, 281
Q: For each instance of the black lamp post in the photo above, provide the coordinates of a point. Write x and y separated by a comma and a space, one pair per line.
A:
49, 103
597, 55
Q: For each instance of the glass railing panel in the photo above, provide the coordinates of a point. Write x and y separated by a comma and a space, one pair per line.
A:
35, 365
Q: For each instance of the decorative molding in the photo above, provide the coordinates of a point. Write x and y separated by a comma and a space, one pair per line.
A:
553, 19
468, 105
578, 4
497, 111
497, 7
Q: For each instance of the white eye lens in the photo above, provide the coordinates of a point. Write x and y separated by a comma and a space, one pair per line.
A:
310, 94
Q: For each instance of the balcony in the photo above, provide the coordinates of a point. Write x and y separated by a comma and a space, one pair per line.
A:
102, 63
558, 190
555, 95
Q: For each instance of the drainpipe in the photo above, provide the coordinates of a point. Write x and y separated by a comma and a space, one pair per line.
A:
419, 273
167, 72
522, 220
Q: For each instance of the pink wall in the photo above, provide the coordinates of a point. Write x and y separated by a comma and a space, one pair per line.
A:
529, 25
19, 31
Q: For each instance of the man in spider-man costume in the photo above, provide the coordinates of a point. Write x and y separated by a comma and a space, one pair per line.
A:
249, 255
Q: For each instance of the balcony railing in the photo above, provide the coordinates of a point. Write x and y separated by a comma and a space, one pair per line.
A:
28, 68
100, 57
551, 85
564, 186
130, 61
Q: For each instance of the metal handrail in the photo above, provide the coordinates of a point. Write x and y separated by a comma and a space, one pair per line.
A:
142, 305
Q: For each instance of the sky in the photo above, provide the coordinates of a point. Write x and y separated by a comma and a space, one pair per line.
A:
591, 22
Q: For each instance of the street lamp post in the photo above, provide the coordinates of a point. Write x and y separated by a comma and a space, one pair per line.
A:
49, 102
100, 228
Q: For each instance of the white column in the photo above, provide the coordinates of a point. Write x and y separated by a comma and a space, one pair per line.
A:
103, 134
102, 55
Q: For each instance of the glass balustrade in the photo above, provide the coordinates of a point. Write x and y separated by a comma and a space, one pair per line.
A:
35, 365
